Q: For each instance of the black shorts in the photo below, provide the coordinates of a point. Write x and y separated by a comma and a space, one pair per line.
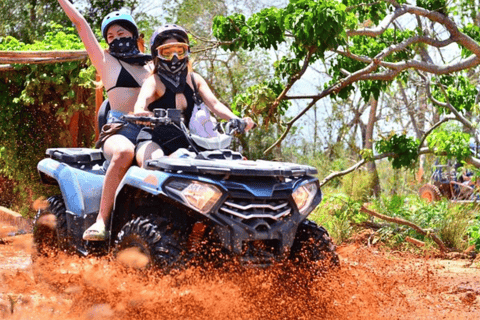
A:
168, 137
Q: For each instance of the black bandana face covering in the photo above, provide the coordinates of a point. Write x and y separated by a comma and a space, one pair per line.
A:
126, 50
123, 47
173, 73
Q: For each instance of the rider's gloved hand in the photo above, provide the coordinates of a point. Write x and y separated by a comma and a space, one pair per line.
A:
241, 126
236, 126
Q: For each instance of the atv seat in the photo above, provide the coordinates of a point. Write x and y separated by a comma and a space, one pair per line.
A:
102, 114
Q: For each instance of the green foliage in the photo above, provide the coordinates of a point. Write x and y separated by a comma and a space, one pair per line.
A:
425, 215
262, 29
257, 100
28, 20
370, 47
434, 5
37, 104
96, 10
316, 26
404, 150
368, 10
449, 221
474, 233
473, 31
454, 227
357, 185
339, 214
451, 144
461, 93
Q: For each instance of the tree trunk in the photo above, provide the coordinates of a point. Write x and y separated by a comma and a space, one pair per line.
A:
371, 167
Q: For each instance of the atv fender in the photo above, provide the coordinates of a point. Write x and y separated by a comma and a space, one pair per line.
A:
81, 190
147, 180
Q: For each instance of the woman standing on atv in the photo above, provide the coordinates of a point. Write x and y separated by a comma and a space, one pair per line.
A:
172, 85
123, 69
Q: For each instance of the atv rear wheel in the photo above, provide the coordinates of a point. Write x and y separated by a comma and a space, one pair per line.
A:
50, 226
430, 193
153, 237
312, 243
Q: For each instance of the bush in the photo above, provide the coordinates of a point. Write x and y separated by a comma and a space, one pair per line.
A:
340, 215
358, 185
37, 105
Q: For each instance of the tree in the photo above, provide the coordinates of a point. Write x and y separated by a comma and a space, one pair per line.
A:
28, 20
369, 46
227, 73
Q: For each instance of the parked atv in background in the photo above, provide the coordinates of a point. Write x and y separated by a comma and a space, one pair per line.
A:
450, 182
208, 203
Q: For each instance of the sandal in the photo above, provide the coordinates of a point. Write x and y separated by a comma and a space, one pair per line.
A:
96, 232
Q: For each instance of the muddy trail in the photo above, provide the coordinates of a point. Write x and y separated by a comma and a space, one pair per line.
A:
370, 284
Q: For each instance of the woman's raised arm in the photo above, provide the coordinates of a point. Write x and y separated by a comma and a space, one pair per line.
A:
95, 52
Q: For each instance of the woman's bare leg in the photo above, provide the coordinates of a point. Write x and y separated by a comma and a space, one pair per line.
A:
147, 150
120, 152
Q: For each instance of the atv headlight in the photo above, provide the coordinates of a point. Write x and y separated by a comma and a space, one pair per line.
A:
201, 196
304, 195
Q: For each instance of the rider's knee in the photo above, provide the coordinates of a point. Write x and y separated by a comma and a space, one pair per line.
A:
123, 155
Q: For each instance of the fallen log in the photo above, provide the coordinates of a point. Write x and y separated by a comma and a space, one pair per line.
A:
429, 234
416, 242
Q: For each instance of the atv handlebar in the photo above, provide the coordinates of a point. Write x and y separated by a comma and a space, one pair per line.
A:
160, 117
174, 116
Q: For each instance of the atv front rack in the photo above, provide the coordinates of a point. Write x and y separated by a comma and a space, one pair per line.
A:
228, 167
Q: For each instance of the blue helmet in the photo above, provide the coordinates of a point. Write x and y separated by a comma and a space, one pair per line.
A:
121, 18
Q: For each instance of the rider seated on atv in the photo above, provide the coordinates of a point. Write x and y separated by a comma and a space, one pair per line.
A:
172, 85
123, 69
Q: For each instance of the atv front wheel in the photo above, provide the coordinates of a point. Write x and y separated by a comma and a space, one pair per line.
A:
50, 226
312, 243
430, 193
154, 238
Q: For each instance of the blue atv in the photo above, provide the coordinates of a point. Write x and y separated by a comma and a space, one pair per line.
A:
210, 204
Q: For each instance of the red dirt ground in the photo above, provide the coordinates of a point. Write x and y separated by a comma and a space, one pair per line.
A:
370, 284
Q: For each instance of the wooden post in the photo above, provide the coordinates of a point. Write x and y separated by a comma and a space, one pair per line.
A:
98, 103
73, 128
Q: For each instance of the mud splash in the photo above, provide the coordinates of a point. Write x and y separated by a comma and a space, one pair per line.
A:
368, 285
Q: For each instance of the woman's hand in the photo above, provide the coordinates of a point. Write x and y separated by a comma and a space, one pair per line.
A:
142, 114
145, 113
250, 123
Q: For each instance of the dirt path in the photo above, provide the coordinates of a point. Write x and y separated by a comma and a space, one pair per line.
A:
369, 285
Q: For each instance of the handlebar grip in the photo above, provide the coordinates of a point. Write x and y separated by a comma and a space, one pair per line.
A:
132, 118
235, 125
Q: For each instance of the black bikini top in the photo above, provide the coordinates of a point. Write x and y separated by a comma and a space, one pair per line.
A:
125, 79
168, 101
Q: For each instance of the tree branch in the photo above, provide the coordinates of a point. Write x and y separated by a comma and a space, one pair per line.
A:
292, 81
373, 32
429, 234
354, 167
436, 125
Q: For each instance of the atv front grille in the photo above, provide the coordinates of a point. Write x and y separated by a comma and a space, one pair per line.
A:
258, 213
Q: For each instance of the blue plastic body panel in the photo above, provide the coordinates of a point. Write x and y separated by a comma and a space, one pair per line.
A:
81, 189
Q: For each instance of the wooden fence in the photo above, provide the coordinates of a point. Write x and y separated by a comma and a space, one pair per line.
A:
7, 58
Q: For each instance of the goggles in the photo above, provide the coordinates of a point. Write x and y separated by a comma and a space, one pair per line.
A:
169, 50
